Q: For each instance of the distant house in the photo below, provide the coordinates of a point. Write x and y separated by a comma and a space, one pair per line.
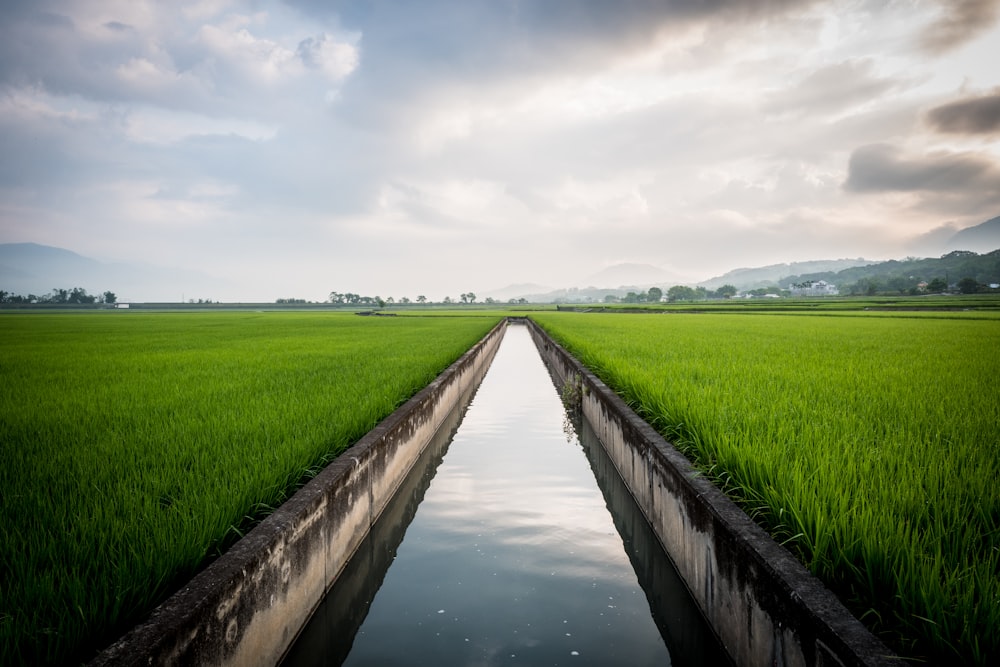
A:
814, 288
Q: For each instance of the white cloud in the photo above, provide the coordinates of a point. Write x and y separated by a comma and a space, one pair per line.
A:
160, 126
394, 143
336, 59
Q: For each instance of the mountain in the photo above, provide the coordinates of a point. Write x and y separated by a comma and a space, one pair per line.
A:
633, 275
513, 291
981, 238
767, 276
902, 275
31, 268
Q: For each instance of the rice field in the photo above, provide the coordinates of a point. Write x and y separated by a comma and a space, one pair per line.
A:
869, 446
137, 446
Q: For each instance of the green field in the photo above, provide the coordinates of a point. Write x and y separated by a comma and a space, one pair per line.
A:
137, 446
870, 446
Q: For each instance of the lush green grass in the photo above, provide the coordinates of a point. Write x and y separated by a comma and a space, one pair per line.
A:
869, 445
136, 446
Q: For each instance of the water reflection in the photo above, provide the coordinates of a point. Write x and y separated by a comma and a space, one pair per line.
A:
512, 556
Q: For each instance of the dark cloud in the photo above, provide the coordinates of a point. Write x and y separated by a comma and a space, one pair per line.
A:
413, 50
118, 26
885, 168
976, 115
960, 21
486, 37
954, 185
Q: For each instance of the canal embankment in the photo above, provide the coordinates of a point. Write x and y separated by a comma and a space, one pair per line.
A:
248, 606
766, 608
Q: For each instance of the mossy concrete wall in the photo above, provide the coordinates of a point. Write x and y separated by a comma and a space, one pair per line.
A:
765, 607
247, 607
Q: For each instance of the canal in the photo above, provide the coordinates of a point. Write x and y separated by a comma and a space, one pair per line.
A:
513, 541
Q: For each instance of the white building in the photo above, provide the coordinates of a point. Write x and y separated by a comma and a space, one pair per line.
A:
814, 288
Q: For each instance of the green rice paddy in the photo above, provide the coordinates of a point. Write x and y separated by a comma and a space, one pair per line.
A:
137, 446
869, 445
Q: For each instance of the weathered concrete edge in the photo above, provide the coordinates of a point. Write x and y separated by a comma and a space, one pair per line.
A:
761, 601
248, 606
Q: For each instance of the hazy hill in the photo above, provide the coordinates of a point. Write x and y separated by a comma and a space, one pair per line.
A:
774, 274
31, 268
902, 274
632, 275
515, 291
981, 238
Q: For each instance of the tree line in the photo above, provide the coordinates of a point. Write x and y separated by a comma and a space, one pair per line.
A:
73, 295
963, 271
352, 299
675, 293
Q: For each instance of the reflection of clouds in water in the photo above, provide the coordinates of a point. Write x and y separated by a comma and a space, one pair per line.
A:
510, 484
514, 540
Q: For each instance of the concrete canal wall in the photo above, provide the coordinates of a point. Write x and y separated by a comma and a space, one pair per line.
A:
247, 607
762, 603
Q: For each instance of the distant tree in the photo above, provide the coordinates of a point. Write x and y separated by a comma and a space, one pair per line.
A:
404, 299
421, 299
110, 297
938, 284
447, 299
654, 295
681, 293
865, 286
471, 296
968, 286
79, 295
631, 297
610, 298
490, 300
727, 291
899, 284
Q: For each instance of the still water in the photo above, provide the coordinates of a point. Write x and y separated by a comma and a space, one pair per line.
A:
502, 548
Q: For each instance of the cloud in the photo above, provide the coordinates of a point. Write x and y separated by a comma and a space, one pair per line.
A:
959, 22
940, 183
885, 168
832, 88
207, 58
975, 115
336, 59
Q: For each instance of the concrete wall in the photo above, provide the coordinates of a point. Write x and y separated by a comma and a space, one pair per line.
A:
762, 603
248, 606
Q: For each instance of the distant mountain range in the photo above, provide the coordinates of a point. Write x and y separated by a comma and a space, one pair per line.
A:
774, 274
30, 268
981, 238
620, 279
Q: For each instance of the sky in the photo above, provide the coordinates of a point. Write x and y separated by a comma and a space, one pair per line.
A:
397, 148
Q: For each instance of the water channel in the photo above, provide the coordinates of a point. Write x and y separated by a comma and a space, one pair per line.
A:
513, 541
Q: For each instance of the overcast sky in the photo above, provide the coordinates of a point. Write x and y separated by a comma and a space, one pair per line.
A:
402, 148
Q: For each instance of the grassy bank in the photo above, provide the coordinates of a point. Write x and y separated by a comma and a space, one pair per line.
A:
869, 445
138, 446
